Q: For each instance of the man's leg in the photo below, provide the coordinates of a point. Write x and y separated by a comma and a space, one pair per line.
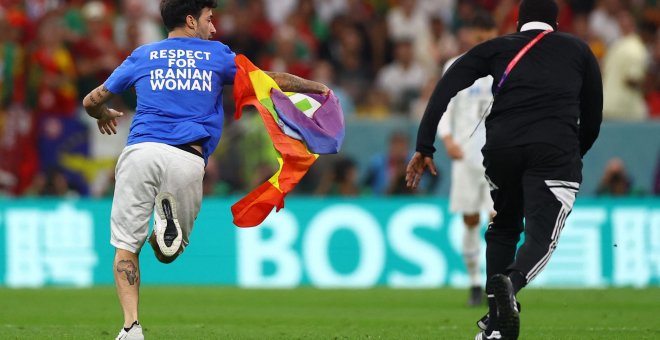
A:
126, 270
132, 206
550, 186
504, 172
178, 202
471, 250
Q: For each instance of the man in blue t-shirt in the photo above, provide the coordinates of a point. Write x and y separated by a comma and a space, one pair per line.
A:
177, 125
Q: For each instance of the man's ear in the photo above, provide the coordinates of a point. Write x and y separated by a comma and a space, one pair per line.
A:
191, 22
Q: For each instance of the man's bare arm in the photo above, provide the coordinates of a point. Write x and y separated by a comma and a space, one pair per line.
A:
290, 83
106, 118
95, 100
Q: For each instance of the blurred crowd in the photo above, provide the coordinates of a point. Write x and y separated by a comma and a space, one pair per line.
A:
381, 57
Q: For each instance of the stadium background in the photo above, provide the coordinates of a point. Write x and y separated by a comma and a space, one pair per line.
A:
351, 223
54, 52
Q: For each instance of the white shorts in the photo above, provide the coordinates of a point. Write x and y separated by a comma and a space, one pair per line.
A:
143, 171
470, 193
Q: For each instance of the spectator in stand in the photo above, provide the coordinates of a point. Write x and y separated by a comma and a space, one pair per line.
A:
51, 184
465, 12
384, 171
289, 54
341, 180
138, 24
311, 30
52, 82
279, 10
603, 20
582, 6
17, 145
615, 180
329, 9
435, 48
260, 26
348, 57
379, 47
407, 21
624, 71
653, 81
565, 18
324, 73
12, 65
506, 16
96, 53
241, 36
442, 9
402, 79
582, 31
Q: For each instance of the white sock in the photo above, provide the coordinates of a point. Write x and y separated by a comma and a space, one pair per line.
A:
471, 251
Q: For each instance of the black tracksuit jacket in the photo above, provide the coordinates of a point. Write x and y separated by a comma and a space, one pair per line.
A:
554, 95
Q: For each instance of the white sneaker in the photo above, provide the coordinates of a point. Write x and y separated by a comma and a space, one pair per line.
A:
135, 333
483, 336
166, 224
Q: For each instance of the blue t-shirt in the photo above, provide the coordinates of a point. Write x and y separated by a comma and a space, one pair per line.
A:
179, 84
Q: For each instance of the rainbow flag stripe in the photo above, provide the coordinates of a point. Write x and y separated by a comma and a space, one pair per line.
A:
254, 87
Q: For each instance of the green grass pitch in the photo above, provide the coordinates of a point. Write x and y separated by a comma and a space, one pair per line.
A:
306, 313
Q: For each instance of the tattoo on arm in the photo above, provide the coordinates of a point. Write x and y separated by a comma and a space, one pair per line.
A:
101, 92
97, 98
290, 83
128, 267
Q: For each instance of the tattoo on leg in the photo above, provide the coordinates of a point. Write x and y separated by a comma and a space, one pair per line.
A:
128, 267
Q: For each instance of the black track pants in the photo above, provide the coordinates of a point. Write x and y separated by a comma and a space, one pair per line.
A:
537, 183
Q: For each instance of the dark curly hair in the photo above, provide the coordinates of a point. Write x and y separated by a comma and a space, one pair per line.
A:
174, 12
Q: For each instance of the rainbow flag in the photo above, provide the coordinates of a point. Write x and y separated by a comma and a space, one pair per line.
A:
321, 130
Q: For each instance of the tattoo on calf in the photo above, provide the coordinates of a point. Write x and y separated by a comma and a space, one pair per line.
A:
128, 267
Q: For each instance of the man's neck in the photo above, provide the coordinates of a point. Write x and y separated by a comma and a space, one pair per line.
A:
181, 33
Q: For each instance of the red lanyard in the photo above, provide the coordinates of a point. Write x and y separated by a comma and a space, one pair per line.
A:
517, 58
510, 67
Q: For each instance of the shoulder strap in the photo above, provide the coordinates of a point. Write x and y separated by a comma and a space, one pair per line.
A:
508, 69
517, 58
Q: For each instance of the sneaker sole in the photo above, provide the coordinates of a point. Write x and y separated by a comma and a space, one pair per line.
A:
173, 248
483, 322
508, 318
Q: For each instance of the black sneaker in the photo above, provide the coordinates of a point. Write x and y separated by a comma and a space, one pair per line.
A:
508, 317
476, 297
483, 322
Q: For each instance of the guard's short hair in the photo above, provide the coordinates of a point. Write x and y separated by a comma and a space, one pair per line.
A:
174, 12
538, 10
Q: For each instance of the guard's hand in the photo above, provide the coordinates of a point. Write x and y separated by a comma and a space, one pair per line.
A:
108, 122
416, 168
